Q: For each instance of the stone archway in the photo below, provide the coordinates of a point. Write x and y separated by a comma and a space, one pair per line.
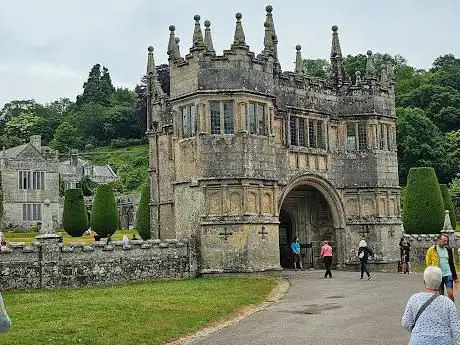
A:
316, 209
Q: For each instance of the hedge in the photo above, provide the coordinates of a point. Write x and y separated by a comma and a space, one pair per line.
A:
143, 214
423, 211
75, 216
104, 215
448, 204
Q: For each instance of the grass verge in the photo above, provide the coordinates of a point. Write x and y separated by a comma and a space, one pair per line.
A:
147, 313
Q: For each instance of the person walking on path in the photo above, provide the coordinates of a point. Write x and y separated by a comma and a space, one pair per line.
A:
295, 247
429, 317
441, 255
364, 252
326, 255
5, 322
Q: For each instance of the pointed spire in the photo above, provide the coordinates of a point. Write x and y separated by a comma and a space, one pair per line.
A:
177, 49
198, 43
271, 26
172, 44
239, 38
336, 51
358, 81
268, 40
370, 68
154, 87
447, 223
390, 72
207, 37
338, 75
384, 77
299, 66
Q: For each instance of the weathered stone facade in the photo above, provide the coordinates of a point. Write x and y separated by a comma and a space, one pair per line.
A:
30, 176
49, 264
246, 157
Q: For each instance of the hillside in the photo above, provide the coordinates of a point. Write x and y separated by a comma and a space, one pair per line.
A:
129, 163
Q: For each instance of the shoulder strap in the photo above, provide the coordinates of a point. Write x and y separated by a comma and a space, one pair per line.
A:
423, 307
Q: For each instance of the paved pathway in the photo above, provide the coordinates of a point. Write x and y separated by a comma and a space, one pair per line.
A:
339, 311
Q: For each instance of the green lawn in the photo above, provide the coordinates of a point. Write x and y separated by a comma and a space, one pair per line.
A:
139, 313
28, 237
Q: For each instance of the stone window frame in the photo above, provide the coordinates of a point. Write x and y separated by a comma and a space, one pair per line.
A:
31, 180
257, 124
188, 120
32, 212
357, 136
386, 134
313, 135
225, 126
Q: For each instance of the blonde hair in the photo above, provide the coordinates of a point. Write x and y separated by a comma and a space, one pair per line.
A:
432, 277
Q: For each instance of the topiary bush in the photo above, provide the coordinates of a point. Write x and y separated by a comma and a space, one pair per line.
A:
75, 216
448, 204
423, 211
104, 215
143, 214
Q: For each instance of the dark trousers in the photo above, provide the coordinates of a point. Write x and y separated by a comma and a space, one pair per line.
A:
327, 262
364, 268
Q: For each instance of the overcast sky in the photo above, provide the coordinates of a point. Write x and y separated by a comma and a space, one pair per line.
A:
47, 47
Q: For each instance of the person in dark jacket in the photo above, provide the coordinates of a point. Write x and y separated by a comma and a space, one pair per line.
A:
364, 252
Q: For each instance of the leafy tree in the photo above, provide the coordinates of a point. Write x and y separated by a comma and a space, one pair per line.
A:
317, 68
143, 214
423, 204
98, 88
66, 138
448, 205
446, 71
23, 125
453, 150
420, 143
104, 215
454, 190
74, 217
87, 186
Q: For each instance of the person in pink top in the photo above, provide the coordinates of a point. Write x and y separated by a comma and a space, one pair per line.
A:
326, 254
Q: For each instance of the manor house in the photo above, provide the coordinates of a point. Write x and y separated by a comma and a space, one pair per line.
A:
245, 156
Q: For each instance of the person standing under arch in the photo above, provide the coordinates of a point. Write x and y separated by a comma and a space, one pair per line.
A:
295, 247
326, 254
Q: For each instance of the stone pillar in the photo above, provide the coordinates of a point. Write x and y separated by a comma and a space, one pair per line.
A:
340, 240
49, 250
447, 229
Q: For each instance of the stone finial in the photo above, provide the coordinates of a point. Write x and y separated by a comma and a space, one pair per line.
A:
153, 83
268, 40
370, 67
239, 39
172, 44
177, 52
271, 25
198, 43
207, 37
299, 66
336, 51
447, 224
384, 77
358, 81
390, 72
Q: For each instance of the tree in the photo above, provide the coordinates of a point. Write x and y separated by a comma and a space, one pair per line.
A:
23, 125
448, 205
420, 143
143, 214
104, 215
66, 138
453, 150
75, 216
317, 68
423, 204
98, 88
454, 190
87, 186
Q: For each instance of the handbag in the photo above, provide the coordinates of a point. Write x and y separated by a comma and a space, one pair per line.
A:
423, 307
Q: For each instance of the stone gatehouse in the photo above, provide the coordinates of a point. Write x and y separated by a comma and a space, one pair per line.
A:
245, 156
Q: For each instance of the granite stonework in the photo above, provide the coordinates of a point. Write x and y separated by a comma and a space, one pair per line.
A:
245, 156
46, 263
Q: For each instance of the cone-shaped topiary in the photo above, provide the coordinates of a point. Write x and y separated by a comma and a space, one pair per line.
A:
448, 204
423, 205
74, 216
104, 215
143, 214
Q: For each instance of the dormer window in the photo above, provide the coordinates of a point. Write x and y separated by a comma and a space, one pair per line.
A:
222, 117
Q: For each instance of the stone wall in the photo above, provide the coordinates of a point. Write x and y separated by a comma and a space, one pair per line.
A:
419, 244
49, 264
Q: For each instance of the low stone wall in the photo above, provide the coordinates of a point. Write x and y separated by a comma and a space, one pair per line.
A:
419, 244
49, 264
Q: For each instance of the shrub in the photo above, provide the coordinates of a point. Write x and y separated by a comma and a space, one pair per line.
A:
104, 215
143, 214
423, 205
74, 217
448, 205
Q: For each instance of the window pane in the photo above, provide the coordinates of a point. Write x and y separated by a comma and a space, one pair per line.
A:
319, 134
42, 180
389, 142
24, 212
228, 118
311, 133
301, 132
261, 118
351, 137
293, 131
192, 111
215, 118
382, 137
362, 135
185, 123
252, 118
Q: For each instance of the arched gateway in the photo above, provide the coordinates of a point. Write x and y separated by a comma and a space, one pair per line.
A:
309, 207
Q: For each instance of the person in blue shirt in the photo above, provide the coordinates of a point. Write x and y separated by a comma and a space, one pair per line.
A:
295, 247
